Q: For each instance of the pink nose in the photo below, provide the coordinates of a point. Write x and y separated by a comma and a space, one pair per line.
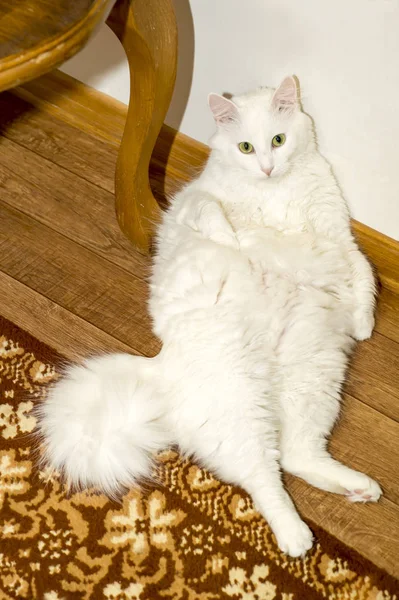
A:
268, 171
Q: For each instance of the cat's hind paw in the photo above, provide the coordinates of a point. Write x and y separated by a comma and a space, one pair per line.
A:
370, 493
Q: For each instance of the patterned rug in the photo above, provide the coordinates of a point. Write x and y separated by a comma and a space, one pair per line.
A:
195, 538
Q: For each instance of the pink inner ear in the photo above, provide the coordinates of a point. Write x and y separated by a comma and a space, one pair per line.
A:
223, 110
286, 95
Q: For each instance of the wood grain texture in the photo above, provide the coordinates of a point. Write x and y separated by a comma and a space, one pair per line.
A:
148, 33
74, 207
42, 134
73, 102
387, 321
374, 375
39, 35
71, 336
76, 279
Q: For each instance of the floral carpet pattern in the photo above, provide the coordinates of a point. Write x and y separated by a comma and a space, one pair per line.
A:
193, 538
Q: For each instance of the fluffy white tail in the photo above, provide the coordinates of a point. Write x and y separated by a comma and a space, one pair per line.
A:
103, 420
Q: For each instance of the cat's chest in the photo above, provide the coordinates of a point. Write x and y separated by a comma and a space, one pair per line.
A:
281, 216
279, 207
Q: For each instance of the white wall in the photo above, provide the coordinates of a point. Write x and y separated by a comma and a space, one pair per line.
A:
345, 53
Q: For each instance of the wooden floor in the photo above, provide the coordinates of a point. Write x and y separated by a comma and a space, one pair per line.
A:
69, 277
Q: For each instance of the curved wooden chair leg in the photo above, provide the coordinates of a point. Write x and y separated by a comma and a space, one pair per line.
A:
148, 33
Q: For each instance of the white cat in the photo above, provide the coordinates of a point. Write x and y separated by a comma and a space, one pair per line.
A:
257, 293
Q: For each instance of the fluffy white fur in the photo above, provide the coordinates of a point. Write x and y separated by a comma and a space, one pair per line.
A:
257, 293
102, 422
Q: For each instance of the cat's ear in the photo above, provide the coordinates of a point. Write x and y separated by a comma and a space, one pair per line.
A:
224, 110
285, 97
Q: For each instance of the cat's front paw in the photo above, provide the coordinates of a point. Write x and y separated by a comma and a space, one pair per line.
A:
226, 238
363, 325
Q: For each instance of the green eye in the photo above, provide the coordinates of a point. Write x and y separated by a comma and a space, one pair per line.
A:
246, 147
278, 140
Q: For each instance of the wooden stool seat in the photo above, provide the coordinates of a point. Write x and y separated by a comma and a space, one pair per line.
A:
39, 35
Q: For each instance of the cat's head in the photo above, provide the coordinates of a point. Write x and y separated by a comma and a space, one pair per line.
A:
262, 132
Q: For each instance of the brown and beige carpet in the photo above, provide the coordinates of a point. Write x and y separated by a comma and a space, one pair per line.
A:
194, 538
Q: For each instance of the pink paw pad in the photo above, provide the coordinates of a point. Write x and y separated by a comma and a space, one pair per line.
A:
361, 496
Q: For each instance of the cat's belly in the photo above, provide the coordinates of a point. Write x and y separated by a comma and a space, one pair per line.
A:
228, 323
267, 283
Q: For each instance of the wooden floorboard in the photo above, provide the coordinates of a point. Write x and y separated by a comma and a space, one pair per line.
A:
388, 314
66, 203
77, 279
70, 278
57, 141
48, 322
374, 375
